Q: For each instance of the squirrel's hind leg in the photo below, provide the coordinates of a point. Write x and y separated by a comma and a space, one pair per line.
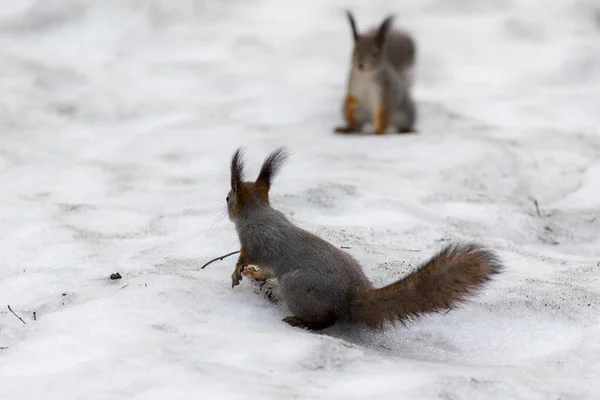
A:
310, 298
353, 125
405, 129
312, 325
405, 116
381, 119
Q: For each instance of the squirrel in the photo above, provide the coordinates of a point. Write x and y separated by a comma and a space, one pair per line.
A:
321, 284
380, 79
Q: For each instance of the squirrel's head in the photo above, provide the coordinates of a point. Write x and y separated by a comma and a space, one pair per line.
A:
368, 49
245, 194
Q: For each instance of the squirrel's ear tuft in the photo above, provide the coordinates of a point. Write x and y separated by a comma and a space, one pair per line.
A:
352, 24
237, 169
383, 30
271, 167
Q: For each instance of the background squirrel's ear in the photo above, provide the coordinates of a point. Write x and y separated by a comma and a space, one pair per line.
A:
383, 30
352, 24
271, 167
237, 169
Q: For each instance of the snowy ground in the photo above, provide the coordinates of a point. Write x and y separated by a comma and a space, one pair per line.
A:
117, 122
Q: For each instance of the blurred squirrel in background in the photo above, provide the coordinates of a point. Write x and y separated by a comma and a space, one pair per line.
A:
380, 80
322, 284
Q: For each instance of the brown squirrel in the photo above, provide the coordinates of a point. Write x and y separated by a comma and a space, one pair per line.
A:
322, 284
380, 80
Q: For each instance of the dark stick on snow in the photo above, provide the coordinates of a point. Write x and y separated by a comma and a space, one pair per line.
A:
34, 316
15, 314
537, 208
220, 258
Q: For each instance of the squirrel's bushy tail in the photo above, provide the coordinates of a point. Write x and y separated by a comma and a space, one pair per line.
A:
444, 281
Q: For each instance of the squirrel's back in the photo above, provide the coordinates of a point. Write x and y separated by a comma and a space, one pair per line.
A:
269, 237
301, 259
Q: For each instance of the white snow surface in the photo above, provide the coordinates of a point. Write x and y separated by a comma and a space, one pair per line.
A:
118, 119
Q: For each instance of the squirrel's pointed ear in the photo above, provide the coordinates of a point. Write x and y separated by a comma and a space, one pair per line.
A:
383, 30
237, 170
271, 167
352, 24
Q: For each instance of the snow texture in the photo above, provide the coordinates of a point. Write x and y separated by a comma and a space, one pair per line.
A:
118, 119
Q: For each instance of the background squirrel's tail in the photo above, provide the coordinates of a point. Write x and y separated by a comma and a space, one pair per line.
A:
444, 281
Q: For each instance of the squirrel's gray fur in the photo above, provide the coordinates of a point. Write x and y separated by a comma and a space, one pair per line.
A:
322, 284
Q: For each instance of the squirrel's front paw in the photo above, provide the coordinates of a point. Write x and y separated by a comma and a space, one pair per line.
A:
236, 277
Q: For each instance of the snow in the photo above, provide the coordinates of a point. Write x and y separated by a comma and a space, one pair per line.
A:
118, 120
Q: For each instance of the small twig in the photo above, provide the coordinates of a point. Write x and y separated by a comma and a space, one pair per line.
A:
15, 314
3, 348
220, 258
34, 316
387, 348
345, 247
537, 207
123, 287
